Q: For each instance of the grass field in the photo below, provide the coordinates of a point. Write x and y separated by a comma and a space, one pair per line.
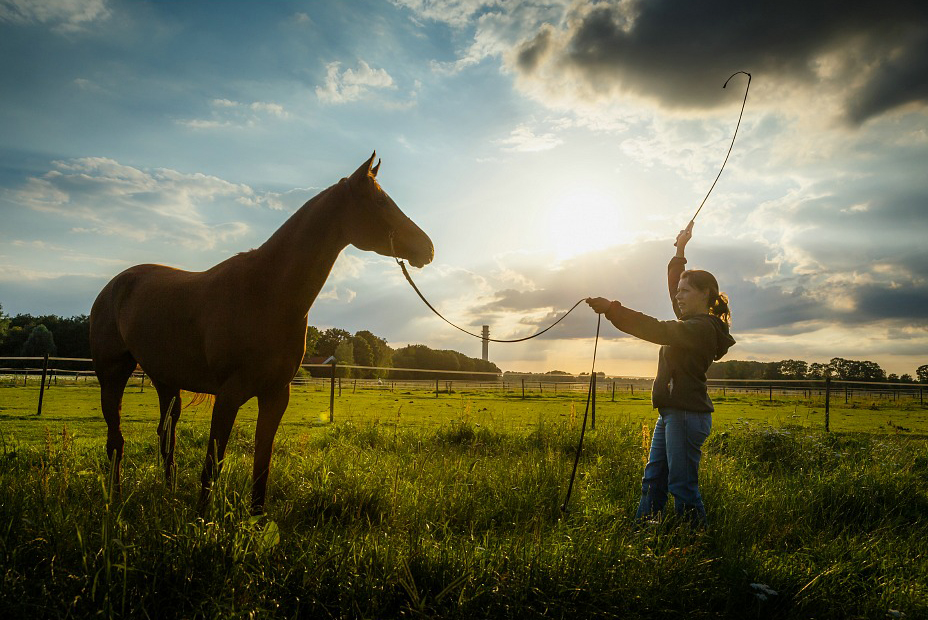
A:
415, 506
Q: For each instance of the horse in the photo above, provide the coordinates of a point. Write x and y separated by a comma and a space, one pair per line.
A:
237, 330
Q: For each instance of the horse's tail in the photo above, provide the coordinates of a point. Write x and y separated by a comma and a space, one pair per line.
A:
198, 399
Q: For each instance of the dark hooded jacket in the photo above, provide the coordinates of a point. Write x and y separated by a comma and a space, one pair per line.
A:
688, 346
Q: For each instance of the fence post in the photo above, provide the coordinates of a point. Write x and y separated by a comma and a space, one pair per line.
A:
436, 388
613, 391
523, 389
332, 393
770, 397
827, 402
42, 386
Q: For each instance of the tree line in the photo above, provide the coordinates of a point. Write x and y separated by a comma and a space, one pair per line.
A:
363, 348
837, 368
35, 336
52, 335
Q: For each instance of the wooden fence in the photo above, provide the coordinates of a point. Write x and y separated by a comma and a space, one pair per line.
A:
38, 370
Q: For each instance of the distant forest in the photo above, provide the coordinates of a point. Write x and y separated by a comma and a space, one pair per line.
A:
27, 335
35, 336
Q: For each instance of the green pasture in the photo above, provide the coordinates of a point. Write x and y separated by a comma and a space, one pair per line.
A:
77, 407
416, 506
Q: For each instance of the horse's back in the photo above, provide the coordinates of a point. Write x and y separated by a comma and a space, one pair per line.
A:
138, 299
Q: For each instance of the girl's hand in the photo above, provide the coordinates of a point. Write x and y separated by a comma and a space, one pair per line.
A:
683, 238
598, 304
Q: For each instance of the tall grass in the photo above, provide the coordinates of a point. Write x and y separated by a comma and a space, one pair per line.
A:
369, 521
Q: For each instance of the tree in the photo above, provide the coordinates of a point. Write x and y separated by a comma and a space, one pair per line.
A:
854, 370
39, 343
922, 373
794, 369
344, 354
329, 341
312, 338
381, 353
4, 325
819, 371
363, 355
906, 378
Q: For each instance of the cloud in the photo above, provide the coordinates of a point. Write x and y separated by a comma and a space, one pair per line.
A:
225, 113
350, 84
456, 13
301, 18
105, 197
523, 139
677, 52
64, 15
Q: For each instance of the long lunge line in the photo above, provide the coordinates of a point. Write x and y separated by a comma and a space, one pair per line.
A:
469, 333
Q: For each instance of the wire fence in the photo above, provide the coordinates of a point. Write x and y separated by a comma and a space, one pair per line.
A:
47, 372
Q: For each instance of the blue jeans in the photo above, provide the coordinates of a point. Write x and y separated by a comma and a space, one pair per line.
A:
673, 465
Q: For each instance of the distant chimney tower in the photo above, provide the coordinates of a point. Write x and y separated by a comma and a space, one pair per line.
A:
486, 343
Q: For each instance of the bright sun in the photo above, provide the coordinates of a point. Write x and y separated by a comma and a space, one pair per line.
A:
584, 219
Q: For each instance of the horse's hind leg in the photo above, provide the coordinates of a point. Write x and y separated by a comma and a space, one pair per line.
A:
170, 405
113, 376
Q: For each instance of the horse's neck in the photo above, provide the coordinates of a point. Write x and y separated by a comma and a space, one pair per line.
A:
298, 257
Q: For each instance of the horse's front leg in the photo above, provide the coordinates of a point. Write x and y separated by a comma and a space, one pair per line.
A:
271, 407
224, 411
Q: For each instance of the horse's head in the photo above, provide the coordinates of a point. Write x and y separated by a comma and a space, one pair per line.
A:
378, 225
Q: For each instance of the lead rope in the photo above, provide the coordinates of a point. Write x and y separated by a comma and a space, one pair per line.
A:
589, 394
586, 411
439, 315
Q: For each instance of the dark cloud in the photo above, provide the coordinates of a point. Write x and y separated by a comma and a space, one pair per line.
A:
680, 52
876, 302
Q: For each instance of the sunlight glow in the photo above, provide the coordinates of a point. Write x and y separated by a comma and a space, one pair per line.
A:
584, 219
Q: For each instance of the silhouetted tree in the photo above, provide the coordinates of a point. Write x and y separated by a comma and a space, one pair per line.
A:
4, 325
922, 373
793, 369
40, 342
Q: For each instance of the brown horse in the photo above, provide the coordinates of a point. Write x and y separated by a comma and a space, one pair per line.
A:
238, 330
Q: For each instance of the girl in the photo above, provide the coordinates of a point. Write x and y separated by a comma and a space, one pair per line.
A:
688, 346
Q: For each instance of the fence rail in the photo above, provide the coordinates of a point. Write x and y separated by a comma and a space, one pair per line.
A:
515, 384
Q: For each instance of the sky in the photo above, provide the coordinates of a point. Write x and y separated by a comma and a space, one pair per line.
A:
551, 150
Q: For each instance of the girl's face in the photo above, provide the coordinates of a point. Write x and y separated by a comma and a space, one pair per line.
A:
690, 299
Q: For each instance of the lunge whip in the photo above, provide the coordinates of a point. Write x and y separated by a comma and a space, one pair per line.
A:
730, 147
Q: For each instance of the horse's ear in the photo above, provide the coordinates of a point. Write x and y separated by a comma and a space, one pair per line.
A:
364, 170
375, 169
